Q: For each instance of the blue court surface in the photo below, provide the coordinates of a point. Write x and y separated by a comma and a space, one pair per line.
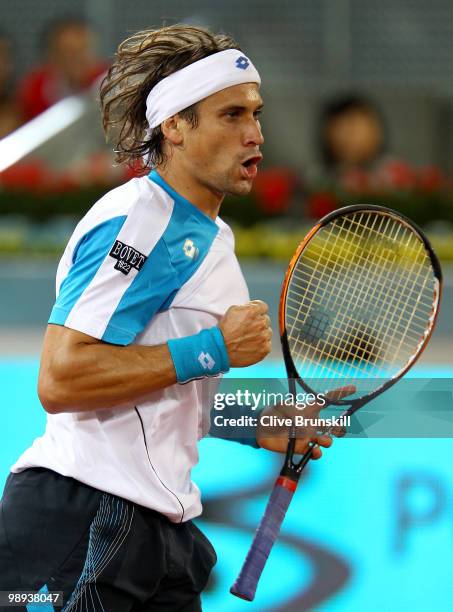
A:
370, 527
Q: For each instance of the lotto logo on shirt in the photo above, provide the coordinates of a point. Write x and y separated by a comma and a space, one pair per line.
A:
127, 257
190, 250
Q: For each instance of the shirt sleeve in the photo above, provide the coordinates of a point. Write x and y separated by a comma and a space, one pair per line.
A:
120, 276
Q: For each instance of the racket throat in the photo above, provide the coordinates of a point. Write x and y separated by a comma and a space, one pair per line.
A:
287, 482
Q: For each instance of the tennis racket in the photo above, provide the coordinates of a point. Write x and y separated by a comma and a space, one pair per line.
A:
359, 302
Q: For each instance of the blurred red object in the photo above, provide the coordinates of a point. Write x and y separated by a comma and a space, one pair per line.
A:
396, 175
273, 189
357, 181
28, 176
96, 170
320, 204
431, 179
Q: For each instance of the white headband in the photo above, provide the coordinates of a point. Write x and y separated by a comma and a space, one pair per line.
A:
197, 81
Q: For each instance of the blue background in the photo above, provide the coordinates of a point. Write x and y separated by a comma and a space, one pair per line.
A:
370, 527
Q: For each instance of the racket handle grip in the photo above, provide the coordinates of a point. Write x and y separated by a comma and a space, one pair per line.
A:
265, 536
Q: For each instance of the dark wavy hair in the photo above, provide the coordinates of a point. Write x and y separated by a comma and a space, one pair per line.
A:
141, 62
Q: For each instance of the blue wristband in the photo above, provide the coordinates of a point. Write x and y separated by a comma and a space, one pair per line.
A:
203, 354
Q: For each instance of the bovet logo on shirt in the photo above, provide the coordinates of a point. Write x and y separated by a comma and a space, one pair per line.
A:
127, 257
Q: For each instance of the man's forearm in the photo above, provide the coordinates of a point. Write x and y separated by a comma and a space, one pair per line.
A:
97, 375
79, 372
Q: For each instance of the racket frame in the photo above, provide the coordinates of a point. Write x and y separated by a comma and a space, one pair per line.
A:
286, 484
291, 370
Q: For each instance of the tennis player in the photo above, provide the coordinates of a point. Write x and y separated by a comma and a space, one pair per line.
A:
150, 302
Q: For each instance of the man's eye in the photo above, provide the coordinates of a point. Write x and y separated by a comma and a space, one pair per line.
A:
232, 113
258, 113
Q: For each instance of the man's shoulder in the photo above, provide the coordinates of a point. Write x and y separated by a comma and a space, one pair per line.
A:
225, 237
120, 199
134, 200
132, 209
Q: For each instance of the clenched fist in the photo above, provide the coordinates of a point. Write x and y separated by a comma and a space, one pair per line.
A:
247, 333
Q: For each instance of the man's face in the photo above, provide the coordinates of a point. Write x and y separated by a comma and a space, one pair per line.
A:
222, 152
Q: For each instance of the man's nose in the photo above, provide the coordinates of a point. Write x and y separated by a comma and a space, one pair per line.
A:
253, 134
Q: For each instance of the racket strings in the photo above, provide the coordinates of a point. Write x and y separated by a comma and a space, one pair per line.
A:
306, 270
357, 340
339, 288
360, 298
395, 297
346, 269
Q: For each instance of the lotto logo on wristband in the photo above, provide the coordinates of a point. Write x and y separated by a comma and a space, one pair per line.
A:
193, 355
206, 360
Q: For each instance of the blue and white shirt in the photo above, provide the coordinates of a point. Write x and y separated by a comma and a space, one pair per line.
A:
143, 266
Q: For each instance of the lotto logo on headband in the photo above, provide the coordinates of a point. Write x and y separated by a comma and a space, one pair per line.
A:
242, 62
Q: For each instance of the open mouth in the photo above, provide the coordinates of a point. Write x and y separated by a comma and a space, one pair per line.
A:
250, 166
252, 161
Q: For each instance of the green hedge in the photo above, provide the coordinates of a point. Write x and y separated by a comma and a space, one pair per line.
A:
48, 218
421, 207
40, 207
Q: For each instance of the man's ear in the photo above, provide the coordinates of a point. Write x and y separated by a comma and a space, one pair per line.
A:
171, 129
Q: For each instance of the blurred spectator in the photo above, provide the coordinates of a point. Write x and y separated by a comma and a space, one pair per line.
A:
9, 115
353, 146
71, 66
352, 134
